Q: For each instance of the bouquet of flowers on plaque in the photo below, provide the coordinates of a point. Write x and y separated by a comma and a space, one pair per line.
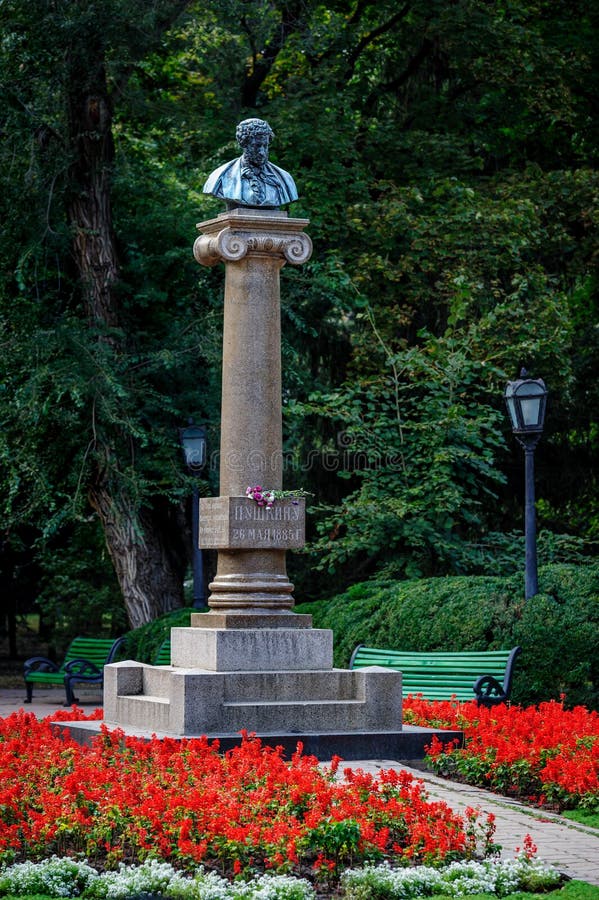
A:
266, 497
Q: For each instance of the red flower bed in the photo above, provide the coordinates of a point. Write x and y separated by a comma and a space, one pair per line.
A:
544, 753
124, 798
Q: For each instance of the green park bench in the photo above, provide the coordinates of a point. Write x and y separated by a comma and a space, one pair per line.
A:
83, 663
481, 675
163, 657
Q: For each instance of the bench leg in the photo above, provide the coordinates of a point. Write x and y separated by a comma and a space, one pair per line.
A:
29, 689
491, 701
71, 698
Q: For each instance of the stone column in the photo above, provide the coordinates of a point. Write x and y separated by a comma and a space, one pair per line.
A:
251, 578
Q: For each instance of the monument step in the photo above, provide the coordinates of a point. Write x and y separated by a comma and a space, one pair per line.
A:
292, 685
146, 698
143, 710
156, 681
312, 715
291, 703
255, 687
139, 709
407, 744
252, 649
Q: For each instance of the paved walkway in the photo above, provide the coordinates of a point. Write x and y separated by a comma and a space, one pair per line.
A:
572, 848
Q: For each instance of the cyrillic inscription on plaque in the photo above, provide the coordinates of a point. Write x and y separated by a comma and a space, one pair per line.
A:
238, 523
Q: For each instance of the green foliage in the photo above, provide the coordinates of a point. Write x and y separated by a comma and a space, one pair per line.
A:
77, 592
420, 413
579, 890
557, 630
28, 896
500, 554
445, 157
87, 405
422, 445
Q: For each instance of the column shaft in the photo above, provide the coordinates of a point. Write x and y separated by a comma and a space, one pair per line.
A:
254, 245
251, 440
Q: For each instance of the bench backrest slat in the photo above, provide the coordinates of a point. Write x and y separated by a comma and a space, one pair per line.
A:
439, 675
163, 657
96, 650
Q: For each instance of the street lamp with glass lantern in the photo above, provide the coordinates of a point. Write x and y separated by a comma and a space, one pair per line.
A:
526, 400
193, 442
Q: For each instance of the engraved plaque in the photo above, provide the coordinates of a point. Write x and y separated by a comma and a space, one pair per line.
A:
238, 523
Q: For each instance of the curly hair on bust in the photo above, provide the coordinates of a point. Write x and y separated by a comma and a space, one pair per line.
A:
249, 127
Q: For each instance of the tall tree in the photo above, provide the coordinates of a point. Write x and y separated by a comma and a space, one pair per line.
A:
80, 56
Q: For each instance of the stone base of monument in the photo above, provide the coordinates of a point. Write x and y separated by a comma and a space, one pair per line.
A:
407, 746
218, 685
192, 701
266, 680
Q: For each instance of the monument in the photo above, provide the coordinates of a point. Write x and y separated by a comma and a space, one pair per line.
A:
251, 662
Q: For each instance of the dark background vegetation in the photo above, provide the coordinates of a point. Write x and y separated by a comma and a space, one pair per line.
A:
445, 155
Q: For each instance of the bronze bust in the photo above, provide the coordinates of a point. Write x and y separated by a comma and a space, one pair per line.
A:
251, 180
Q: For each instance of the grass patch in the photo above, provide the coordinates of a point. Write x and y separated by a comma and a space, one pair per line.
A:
26, 897
573, 890
583, 817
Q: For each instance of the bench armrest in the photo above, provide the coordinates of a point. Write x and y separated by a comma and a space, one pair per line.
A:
39, 664
488, 690
354, 654
115, 649
81, 667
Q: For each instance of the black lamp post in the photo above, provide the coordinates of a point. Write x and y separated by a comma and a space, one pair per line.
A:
193, 442
526, 399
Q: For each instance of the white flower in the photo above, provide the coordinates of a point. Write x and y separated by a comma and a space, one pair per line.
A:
54, 877
458, 879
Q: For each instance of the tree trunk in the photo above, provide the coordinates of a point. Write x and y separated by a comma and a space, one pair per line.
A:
89, 209
142, 543
145, 558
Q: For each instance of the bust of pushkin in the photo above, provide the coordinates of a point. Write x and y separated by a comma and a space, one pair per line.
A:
251, 180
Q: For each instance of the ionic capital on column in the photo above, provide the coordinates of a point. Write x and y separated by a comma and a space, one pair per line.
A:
235, 235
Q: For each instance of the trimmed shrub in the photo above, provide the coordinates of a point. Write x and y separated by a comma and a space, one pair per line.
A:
558, 629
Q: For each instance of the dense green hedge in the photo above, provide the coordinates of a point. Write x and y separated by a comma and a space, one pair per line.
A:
558, 629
